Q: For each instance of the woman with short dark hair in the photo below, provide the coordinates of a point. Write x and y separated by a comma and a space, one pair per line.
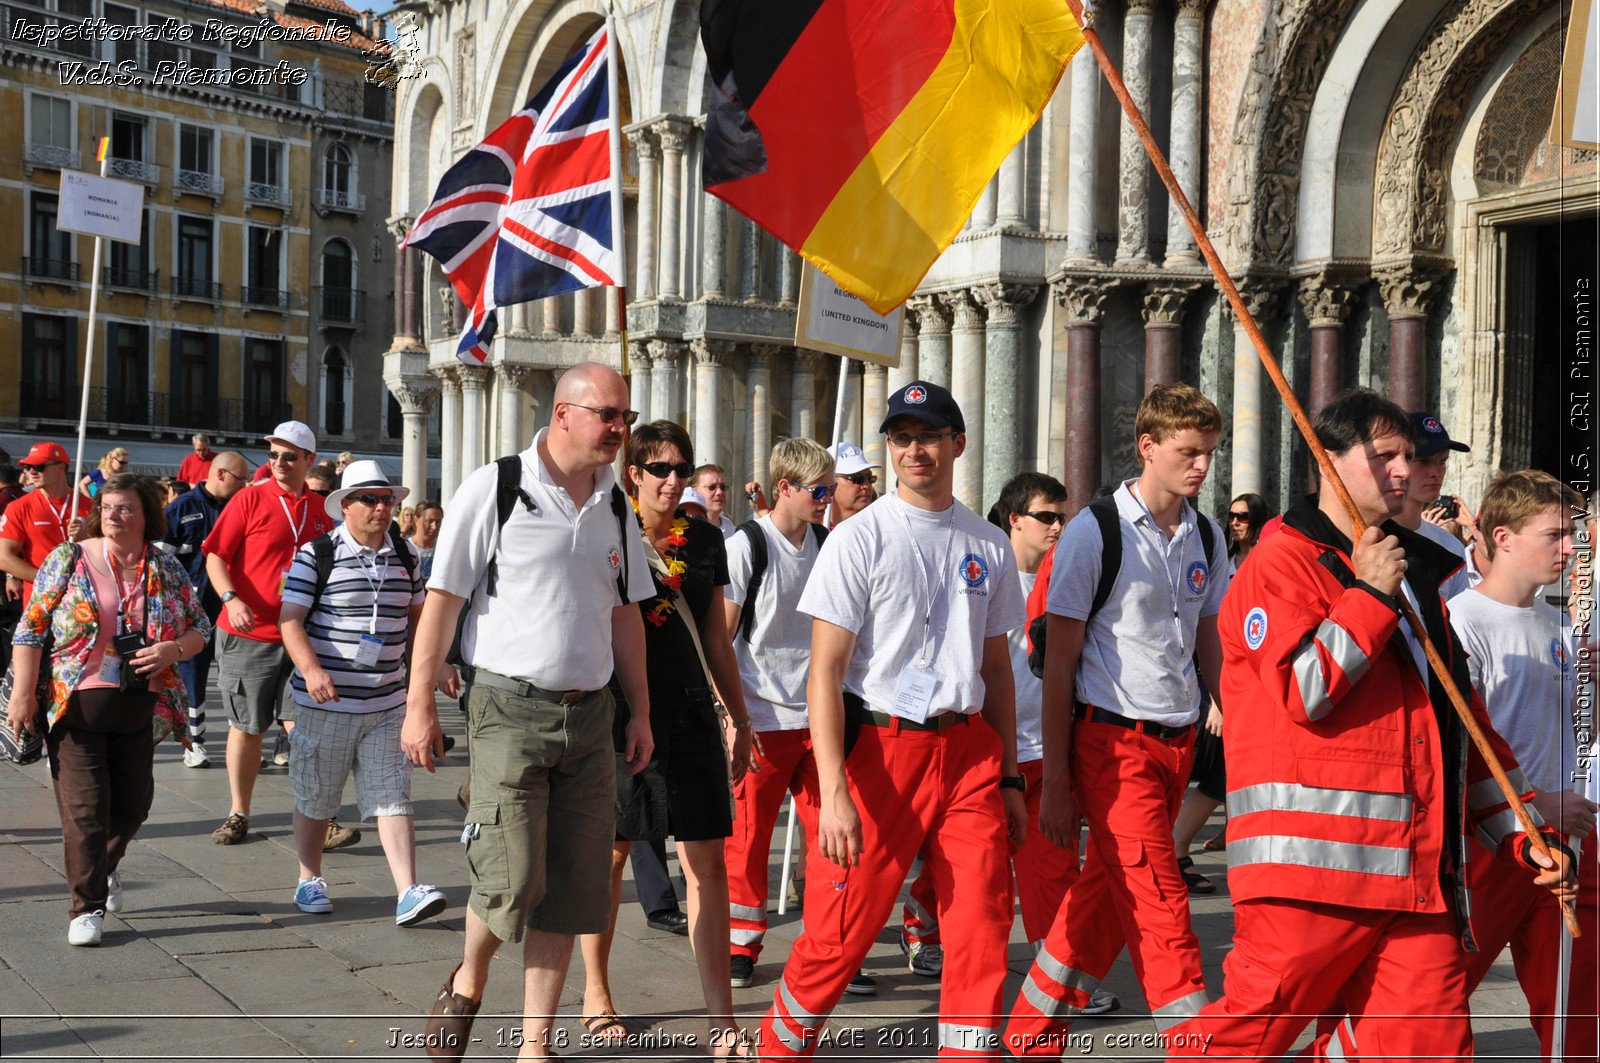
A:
116, 616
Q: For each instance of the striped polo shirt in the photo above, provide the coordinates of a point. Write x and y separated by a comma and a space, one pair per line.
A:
361, 577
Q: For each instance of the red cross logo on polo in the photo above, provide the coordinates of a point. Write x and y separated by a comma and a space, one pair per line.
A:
1255, 628
916, 395
614, 559
1197, 576
1432, 424
974, 570
1558, 653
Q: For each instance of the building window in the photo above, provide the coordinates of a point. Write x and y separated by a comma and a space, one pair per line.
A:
266, 162
49, 372
50, 132
394, 421
193, 399
128, 137
263, 268
335, 375
124, 45
127, 373
192, 271
264, 404
197, 167
337, 167
49, 249
130, 263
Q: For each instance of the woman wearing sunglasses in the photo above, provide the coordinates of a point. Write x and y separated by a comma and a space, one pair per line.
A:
690, 565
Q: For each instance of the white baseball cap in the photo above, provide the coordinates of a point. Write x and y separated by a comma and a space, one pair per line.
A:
691, 497
294, 433
849, 459
360, 476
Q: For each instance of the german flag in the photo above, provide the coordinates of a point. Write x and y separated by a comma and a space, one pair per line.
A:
862, 132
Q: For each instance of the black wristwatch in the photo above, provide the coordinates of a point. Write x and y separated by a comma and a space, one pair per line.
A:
1018, 783
228, 596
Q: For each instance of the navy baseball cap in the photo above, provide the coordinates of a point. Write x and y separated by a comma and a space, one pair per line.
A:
929, 403
1432, 438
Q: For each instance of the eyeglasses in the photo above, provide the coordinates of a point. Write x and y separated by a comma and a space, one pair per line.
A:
229, 472
818, 492
1242, 517
287, 457
662, 469
1049, 517
372, 500
902, 440
711, 489
861, 479
119, 511
611, 415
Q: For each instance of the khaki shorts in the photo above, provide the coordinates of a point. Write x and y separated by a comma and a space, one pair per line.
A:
543, 812
253, 681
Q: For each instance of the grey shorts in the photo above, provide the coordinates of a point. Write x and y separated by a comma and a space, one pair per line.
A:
543, 812
327, 745
253, 682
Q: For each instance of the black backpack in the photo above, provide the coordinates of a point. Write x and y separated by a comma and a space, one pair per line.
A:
752, 531
507, 493
322, 550
1104, 511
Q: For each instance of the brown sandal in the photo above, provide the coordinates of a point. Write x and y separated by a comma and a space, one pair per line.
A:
608, 1021
450, 1022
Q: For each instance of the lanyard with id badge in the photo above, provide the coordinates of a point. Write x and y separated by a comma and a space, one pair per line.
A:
295, 529
913, 695
116, 666
371, 645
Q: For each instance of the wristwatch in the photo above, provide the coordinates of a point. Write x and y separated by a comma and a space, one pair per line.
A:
229, 596
1018, 783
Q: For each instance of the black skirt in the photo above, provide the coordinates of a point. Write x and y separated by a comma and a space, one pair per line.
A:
690, 759
1208, 773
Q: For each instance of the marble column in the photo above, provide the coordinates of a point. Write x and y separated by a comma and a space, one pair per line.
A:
664, 357
415, 394
803, 394
1248, 473
967, 386
788, 276
758, 378
933, 338
639, 380
1187, 125
1133, 186
673, 135
749, 260
708, 356
1082, 301
583, 312
404, 338
513, 401
473, 415
612, 311
1083, 236
644, 263
550, 315
983, 214
874, 404
1011, 207
713, 247
1408, 291
907, 370
1002, 400
1327, 304
449, 434
1163, 333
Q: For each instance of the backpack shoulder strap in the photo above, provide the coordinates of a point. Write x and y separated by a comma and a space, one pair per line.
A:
322, 558
1208, 537
751, 530
822, 533
403, 550
622, 511
507, 493
1106, 516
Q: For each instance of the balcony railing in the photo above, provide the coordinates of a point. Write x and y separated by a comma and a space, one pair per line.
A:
276, 298
271, 194
199, 183
137, 407
341, 306
334, 199
194, 288
133, 170
52, 157
137, 280
121, 405
50, 399
54, 269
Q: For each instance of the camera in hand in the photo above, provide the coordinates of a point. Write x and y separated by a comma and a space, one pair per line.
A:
127, 644
1450, 505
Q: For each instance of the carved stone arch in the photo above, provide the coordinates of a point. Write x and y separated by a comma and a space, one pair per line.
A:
422, 107
540, 35
1507, 147
679, 60
1411, 195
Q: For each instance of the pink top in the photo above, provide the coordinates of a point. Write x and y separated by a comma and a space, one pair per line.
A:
105, 594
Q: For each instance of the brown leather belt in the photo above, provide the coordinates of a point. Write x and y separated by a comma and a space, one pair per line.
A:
521, 688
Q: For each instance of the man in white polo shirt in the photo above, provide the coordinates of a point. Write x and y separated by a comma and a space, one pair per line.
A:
911, 600
547, 596
1120, 703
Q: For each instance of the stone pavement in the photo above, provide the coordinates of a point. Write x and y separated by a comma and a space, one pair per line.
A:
211, 960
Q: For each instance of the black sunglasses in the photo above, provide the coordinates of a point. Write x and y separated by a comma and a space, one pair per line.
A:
662, 469
1239, 516
288, 457
372, 500
1048, 517
861, 479
610, 414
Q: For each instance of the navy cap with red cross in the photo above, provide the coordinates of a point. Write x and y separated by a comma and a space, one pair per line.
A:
929, 403
1432, 438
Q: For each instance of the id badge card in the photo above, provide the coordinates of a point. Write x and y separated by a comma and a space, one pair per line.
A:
111, 669
367, 653
913, 698
283, 582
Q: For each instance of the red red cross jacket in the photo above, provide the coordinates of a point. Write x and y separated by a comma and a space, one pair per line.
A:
1350, 780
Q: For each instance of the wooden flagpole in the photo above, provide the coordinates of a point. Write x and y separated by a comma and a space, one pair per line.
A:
1092, 39
88, 346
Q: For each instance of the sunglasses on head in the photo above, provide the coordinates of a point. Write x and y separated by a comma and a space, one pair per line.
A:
1049, 517
861, 479
609, 414
818, 492
288, 457
372, 500
662, 469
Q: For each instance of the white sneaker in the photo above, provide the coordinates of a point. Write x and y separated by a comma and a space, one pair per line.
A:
114, 892
280, 750
196, 756
85, 930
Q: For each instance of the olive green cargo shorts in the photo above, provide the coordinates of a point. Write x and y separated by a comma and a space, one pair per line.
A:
543, 812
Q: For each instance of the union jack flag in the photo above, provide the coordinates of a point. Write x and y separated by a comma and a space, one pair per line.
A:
527, 214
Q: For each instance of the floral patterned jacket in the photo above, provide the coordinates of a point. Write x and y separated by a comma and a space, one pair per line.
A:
64, 606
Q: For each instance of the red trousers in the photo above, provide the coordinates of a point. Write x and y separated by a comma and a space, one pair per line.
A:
783, 762
934, 792
1128, 787
1401, 976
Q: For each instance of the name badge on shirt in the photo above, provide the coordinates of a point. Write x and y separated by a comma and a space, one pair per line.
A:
111, 670
914, 696
283, 582
367, 653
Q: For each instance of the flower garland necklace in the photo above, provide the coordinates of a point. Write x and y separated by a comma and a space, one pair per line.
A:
677, 538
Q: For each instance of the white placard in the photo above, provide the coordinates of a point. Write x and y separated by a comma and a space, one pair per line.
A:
100, 206
1577, 117
832, 320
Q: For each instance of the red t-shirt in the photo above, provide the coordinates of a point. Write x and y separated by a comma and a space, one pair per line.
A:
257, 534
263, 474
195, 469
39, 523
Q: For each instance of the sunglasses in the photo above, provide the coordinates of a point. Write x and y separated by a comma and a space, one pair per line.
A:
818, 492
610, 414
1048, 517
902, 440
861, 479
1245, 517
662, 469
288, 457
372, 500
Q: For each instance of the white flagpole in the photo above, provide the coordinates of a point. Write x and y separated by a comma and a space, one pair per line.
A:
788, 861
614, 102
88, 353
838, 403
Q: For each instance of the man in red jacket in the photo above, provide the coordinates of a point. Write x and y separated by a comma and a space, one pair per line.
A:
1351, 780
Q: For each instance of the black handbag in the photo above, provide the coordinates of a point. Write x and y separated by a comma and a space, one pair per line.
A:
27, 747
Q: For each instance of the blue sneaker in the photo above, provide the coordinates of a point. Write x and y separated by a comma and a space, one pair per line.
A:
417, 903
312, 896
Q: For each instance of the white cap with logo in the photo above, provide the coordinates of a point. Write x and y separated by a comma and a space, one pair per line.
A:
849, 459
294, 433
